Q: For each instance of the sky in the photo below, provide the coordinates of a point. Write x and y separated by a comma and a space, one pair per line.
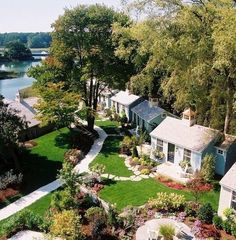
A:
38, 15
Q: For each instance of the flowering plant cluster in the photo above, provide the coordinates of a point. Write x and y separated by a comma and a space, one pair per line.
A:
10, 178
167, 201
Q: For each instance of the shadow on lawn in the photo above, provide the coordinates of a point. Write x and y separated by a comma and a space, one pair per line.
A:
111, 146
37, 172
64, 140
109, 182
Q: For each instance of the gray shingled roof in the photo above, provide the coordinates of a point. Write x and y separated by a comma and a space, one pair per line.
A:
227, 142
146, 111
195, 138
229, 179
124, 98
25, 109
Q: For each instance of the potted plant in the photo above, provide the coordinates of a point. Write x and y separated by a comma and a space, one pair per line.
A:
159, 155
167, 231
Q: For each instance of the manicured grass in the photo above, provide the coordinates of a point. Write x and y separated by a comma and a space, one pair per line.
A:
40, 164
109, 157
110, 127
125, 193
39, 207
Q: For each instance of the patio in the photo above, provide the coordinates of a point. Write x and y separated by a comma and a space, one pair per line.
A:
173, 171
183, 232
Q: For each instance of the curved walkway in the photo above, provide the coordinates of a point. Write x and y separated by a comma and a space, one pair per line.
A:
83, 166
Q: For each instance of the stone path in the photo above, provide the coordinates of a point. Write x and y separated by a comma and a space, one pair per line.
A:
83, 166
137, 176
31, 235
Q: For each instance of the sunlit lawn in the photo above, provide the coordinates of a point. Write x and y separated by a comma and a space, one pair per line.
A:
109, 157
125, 193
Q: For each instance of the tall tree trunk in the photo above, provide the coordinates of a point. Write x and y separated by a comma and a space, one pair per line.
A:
229, 110
90, 121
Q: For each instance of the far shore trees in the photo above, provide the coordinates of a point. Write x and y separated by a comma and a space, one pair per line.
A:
17, 51
82, 55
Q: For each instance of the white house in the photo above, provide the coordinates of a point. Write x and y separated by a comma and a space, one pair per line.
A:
228, 191
124, 101
182, 139
104, 98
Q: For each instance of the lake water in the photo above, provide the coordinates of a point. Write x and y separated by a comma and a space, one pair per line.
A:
9, 87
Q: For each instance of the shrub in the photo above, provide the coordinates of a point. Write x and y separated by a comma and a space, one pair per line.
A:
227, 226
62, 200
73, 156
233, 229
69, 177
208, 167
230, 214
197, 229
197, 186
217, 221
145, 171
113, 218
167, 231
134, 152
167, 201
66, 224
94, 213
191, 209
22, 221
206, 213
10, 178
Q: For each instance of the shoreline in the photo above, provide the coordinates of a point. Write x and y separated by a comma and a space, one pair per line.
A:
8, 75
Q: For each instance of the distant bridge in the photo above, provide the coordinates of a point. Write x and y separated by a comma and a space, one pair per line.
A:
42, 54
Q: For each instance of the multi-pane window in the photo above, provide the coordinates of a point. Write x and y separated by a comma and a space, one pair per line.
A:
187, 155
219, 151
159, 145
233, 201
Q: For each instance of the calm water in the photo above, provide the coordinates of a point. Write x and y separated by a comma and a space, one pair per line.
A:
9, 87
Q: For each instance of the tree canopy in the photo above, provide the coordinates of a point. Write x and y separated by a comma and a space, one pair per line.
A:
11, 125
185, 53
17, 51
83, 54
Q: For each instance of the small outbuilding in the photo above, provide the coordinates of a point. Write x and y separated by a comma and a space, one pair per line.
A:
228, 191
124, 101
147, 115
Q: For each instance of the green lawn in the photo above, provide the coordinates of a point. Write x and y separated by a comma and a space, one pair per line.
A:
109, 157
40, 165
39, 207
124, 193
110, 127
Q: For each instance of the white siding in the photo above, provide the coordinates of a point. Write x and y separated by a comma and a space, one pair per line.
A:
179, 154
196, 159
225, 200
127, 112
165, 150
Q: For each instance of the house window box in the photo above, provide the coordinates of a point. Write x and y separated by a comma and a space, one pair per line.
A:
158, 152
